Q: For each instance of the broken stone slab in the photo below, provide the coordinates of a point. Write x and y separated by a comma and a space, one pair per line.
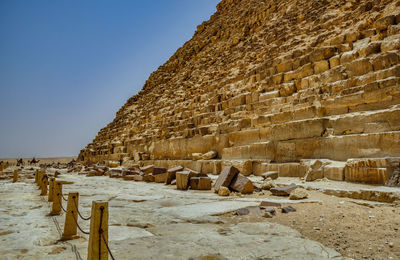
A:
298, 194
283, 191
200, 183
266, 203
242, 184
254, 210
171, 174
288, 209
228, 173
271, 174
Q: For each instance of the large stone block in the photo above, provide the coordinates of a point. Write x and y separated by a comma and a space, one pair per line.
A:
242, 184
225, 178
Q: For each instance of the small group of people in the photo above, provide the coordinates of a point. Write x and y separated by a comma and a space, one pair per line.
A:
20, 162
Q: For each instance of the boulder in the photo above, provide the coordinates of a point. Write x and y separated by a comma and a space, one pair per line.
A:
242, 184
228, 173
298, 194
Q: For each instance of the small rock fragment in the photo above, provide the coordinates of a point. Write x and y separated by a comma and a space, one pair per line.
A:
224, 191
288, 209
242, 211
269, 204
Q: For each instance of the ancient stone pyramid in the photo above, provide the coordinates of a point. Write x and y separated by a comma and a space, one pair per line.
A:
269, 85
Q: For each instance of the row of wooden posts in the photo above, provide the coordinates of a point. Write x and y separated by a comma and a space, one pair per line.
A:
98, 234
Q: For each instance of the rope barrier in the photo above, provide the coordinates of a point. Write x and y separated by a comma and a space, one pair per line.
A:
80, 215
101, 235
76, 222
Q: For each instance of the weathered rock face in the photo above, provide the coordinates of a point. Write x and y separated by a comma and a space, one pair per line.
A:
270, 81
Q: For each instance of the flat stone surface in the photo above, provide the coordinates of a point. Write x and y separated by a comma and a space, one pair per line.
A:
146, 220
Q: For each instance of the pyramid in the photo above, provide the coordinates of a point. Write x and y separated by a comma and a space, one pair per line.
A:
308, 88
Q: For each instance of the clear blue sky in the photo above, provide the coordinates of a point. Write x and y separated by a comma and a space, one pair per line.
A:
67, 66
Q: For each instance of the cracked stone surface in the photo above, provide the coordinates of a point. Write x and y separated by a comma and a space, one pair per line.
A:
146, 221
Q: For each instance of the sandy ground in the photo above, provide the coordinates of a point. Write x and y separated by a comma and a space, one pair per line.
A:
357, 229
146, 221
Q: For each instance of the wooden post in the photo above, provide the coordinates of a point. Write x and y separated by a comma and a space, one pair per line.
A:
44, 185
71, 218
97, 248
36, 176
51, 189
56, 207
40, 175
15, 177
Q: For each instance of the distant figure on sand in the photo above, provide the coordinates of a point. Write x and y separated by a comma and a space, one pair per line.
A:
33, 161
20, 162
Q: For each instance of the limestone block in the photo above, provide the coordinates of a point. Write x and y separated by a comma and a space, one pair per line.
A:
334, 173
242, 184
321, 66
334, 61
366, 175
200, 183
359, 67
211, 166
383, 23
226, 177
209, 155
245, 167
171, 173
285, 66
385, 60
182, 180
323, 53
348, 56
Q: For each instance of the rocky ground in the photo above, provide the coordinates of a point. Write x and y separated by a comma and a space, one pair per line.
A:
149, 220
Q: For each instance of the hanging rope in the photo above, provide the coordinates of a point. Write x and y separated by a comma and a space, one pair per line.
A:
109, 251
59, 200
62, 194
80, 215
76, 222
101, 236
